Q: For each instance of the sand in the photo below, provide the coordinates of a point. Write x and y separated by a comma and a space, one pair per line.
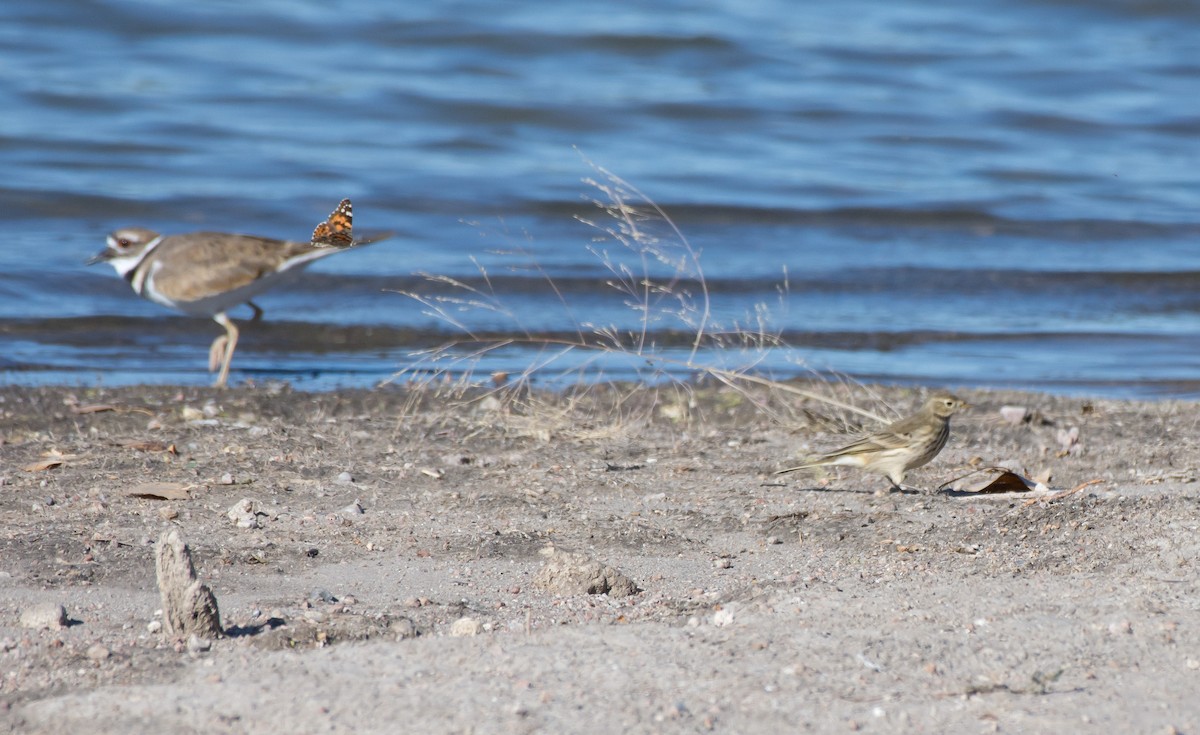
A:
386, 574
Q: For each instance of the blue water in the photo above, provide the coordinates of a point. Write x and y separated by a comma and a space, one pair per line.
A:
989, 194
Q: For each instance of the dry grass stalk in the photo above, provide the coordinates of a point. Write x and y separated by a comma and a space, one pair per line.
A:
644, 242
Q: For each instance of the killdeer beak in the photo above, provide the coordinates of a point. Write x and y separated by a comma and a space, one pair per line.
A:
100, 257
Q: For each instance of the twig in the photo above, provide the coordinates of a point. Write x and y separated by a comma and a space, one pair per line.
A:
1063, 494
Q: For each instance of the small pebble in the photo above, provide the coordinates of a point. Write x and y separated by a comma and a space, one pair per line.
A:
722, 563
245, 514
1013, 414
404, 629
154, 626
464, 627
196, 644
345, 478
322, 596
315, 616
98, 652
46, 615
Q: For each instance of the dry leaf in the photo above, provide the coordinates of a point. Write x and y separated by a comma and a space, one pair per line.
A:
1005, 482
159, 491
995, 481
94, 408
45, 464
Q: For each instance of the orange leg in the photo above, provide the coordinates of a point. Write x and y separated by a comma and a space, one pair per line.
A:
223, 346
216, 353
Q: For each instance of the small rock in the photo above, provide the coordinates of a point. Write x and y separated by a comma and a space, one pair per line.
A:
412, 602
722, 617
317, 617
1013, 414
191, 414
722, 563
196, 644
465, 627
46, 615
1068, 440
168, 514
98, 652
345, 478
154, 627
404, 629
322, 596
570, 573
246, 514
226, 479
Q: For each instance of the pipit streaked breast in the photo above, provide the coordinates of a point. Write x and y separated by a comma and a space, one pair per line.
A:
900, 446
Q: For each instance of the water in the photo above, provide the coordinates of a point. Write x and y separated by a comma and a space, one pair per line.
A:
990, 194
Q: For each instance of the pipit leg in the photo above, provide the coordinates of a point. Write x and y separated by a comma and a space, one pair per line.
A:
231, 338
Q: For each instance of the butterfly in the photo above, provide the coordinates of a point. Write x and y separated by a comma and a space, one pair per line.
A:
335, 232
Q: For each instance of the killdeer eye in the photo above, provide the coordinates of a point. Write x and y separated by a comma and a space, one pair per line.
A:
123, 243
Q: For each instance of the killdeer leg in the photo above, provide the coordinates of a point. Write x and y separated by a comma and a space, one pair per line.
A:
258, 312
231, 338
216, 353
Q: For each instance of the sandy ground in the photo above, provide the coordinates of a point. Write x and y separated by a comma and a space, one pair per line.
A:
391, 585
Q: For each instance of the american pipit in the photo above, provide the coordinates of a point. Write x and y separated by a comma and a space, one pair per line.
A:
900, 446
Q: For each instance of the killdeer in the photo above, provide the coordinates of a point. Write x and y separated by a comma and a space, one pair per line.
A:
208, 273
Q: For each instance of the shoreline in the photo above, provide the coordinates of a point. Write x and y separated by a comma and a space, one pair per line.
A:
383, 519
